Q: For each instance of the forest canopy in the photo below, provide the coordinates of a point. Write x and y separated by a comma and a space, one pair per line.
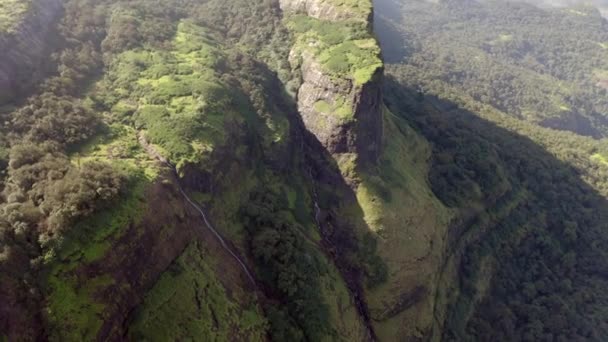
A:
485, 83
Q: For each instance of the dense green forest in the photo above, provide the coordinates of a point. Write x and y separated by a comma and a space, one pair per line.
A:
478, 81
158, 180
504, 54
163, 72
205, 84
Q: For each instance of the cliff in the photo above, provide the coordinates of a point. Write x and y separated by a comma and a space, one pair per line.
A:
341, 70
24, 44
347, 253
340, 101
331, 9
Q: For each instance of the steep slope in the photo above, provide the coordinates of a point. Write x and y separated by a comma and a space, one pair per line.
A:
120, 261
242, 170
525, 248
501, 54
25, 30
339, 98
329, 210
383, 160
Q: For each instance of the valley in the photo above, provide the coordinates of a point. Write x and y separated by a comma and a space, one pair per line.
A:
302, 170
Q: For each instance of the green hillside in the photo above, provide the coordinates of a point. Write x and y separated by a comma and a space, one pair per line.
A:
531, 201
166, 178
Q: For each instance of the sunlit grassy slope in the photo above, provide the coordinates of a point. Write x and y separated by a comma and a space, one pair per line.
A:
410, 224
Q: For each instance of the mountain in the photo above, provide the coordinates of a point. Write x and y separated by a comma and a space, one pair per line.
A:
529, 185
301, 170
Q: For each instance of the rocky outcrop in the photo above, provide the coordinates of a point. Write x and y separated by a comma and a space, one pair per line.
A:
325, 9
25, 48
321, 96
346, 117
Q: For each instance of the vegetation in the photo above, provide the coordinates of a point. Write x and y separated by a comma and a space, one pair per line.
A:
188, 302
360, 9
11, 13
536, 214
531, 200
202, 82
289, 265
344, 49
503, 55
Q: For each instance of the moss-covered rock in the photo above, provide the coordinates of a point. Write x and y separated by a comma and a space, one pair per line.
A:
341, 69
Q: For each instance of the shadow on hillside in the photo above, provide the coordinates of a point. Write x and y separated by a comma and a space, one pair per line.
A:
331, 193
393, 42
302, 157
536, 210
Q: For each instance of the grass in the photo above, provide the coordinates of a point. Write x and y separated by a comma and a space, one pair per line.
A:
409, 221
119, 146
343, 314
342, 108
602, 159
180, 98
11, 14
344, 49
189, 302
176, 95
361, 8
73, 312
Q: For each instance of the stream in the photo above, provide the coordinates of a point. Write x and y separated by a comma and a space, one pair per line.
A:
153, 153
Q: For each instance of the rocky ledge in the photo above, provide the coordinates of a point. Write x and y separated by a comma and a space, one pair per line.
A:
340, 98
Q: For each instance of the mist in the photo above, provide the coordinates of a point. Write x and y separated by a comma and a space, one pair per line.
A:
601, 4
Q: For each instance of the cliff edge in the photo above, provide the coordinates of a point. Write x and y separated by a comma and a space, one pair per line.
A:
339, 62
24, 42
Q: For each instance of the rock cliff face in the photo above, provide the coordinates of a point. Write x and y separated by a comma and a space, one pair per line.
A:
24, 48
345, 115
330, 9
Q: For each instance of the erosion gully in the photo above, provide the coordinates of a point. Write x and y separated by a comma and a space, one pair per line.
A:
351, 277
153, 153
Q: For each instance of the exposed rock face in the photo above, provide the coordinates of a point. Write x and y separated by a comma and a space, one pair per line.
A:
363, 134
320, 9
360, 132
24, 49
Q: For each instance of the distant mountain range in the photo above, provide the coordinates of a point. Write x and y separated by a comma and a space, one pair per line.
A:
601, 4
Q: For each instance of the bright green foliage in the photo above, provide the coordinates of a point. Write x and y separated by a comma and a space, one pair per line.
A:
600, 158
197, 79
189, 302
179, 97
340, 108
119, 145
344, 49
176, 95
74, 311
